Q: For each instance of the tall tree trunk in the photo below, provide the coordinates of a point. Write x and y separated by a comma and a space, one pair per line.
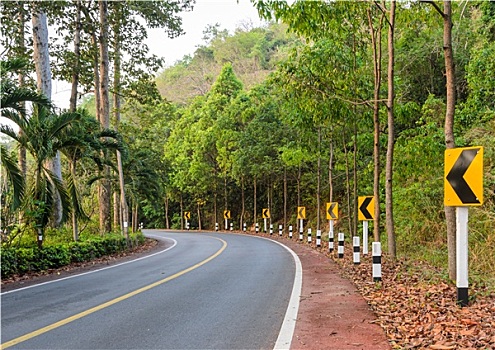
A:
77, 57
73, 94
330, 169
318, 185
449, 127
389, 206
377, 49
75, 227
116, 107
117, 218
215, 208
181, 213
104, 117
285, 198
199, 217
41, 58
354, 221
22, 46
347, 182
243, 203
226, 203
448, 52
255, 199
167, 224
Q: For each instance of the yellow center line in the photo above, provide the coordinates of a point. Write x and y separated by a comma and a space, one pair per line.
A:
111, 302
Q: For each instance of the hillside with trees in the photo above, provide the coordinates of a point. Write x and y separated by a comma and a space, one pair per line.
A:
337, 100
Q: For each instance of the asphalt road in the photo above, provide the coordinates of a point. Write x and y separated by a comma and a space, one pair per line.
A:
206, 291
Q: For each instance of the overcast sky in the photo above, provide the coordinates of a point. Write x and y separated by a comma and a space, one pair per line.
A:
230, 14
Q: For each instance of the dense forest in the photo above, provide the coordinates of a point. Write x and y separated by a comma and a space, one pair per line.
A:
327, 102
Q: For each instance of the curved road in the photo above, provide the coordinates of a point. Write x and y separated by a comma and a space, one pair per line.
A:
206, 291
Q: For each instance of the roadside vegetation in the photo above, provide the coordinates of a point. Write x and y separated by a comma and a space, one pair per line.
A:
319, 107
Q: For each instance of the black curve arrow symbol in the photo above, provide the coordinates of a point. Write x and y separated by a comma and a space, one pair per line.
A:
330, 211
265, 213
456, 176
301, 212
364, 208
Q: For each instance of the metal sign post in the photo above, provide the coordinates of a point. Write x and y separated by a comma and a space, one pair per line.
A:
463, 187
332, 214
366, 213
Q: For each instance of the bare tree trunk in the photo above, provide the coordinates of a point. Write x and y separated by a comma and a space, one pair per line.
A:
449, 127
199, 217
243, 203
116, 209
73, 94
318, 185
117, 106
354, 221
347, 182
285, 198
75, 227
330, 170
22, 150
376, 45
77, 57
41, 56
104, 116
450, 216
215, 208
181, 213
389, 206
167, 224
255, 200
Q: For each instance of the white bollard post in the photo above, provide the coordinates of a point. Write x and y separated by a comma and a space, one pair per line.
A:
280, 230
318, 238
231, 226
356, 251
271, 229
309, 235
341, 245
462, 282
216, 226
244, 227
376, 248
330, 237
290, 231
257, 228
365, 237
301, 230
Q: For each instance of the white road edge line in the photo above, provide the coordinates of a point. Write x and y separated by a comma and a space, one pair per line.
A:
93, 271
284, 339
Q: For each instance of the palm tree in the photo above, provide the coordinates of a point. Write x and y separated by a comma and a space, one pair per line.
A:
43, 134
12, 106
86, 139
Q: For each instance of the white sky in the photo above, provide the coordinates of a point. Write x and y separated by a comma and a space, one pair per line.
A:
230, 14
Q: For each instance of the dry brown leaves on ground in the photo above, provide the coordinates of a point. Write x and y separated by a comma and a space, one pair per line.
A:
417, 308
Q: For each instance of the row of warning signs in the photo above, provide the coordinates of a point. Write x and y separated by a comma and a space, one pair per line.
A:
366, 212
463, 186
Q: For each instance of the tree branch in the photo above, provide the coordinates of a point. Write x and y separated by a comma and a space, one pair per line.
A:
439, 10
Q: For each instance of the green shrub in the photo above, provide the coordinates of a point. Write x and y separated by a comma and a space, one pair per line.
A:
32, 259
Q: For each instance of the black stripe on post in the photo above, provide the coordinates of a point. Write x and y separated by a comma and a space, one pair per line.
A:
462, 296
377, 261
